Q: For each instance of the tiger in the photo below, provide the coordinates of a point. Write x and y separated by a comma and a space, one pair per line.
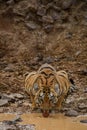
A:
47, 87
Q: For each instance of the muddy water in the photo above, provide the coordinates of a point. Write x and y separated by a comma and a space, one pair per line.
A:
54, 122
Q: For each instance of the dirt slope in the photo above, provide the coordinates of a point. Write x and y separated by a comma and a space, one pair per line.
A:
33, 32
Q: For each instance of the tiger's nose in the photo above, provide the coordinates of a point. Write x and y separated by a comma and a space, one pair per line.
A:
46, 90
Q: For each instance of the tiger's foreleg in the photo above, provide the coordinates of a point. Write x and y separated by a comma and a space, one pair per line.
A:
59, 103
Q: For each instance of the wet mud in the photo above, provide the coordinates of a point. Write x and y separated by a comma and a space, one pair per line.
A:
53, 122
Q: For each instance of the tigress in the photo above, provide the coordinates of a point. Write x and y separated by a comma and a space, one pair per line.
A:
47, 87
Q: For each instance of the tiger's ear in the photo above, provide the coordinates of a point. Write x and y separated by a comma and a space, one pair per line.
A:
27, 74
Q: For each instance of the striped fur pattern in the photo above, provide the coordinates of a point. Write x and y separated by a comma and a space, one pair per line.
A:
47, 87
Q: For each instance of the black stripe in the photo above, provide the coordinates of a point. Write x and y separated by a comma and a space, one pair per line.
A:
62, 76
47, 68
44, 74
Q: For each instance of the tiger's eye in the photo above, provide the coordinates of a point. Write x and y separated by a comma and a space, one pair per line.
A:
36, 87
56, 87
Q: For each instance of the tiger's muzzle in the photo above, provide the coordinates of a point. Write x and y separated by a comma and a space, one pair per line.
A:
46, 98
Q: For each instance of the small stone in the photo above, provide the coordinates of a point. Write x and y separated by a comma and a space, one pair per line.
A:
45, 2
4, 126
82, 106
17, 95
10, 68
71, 113
26, 104
10, 2
66, 4
85, 90
83, 121
47, 19
84, 72
68, 35
10, 98
48, 60
1, 110
48, 28
78, 53
31, 25
70, 99
3, 102
17, 119
41, 11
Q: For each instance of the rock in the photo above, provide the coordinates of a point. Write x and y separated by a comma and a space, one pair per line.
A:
82, 106
9, 126
27, 104
78, 53
83, 121
85, 90
47, 19
26, 127
45, 2
38, 58
17, 95
41, 11
71, 113
70, 99
48, 28
17, 119
1, 110
10, 68
68, 35
4, 126
10, 98
31, 25
83, 72
3, 102
48, 60
10, 2
54, 14
66, 4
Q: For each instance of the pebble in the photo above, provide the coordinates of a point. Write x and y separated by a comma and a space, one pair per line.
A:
41, 11
85, 90
17, 95
66, 4
10, 2
47, 19
10, 98
48, 60
31, 25
71, 113
8, 125
70, 99
3, 102
48, 28
83, 121
82, 106
10, 68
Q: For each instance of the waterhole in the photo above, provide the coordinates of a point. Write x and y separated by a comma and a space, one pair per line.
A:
53, 122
